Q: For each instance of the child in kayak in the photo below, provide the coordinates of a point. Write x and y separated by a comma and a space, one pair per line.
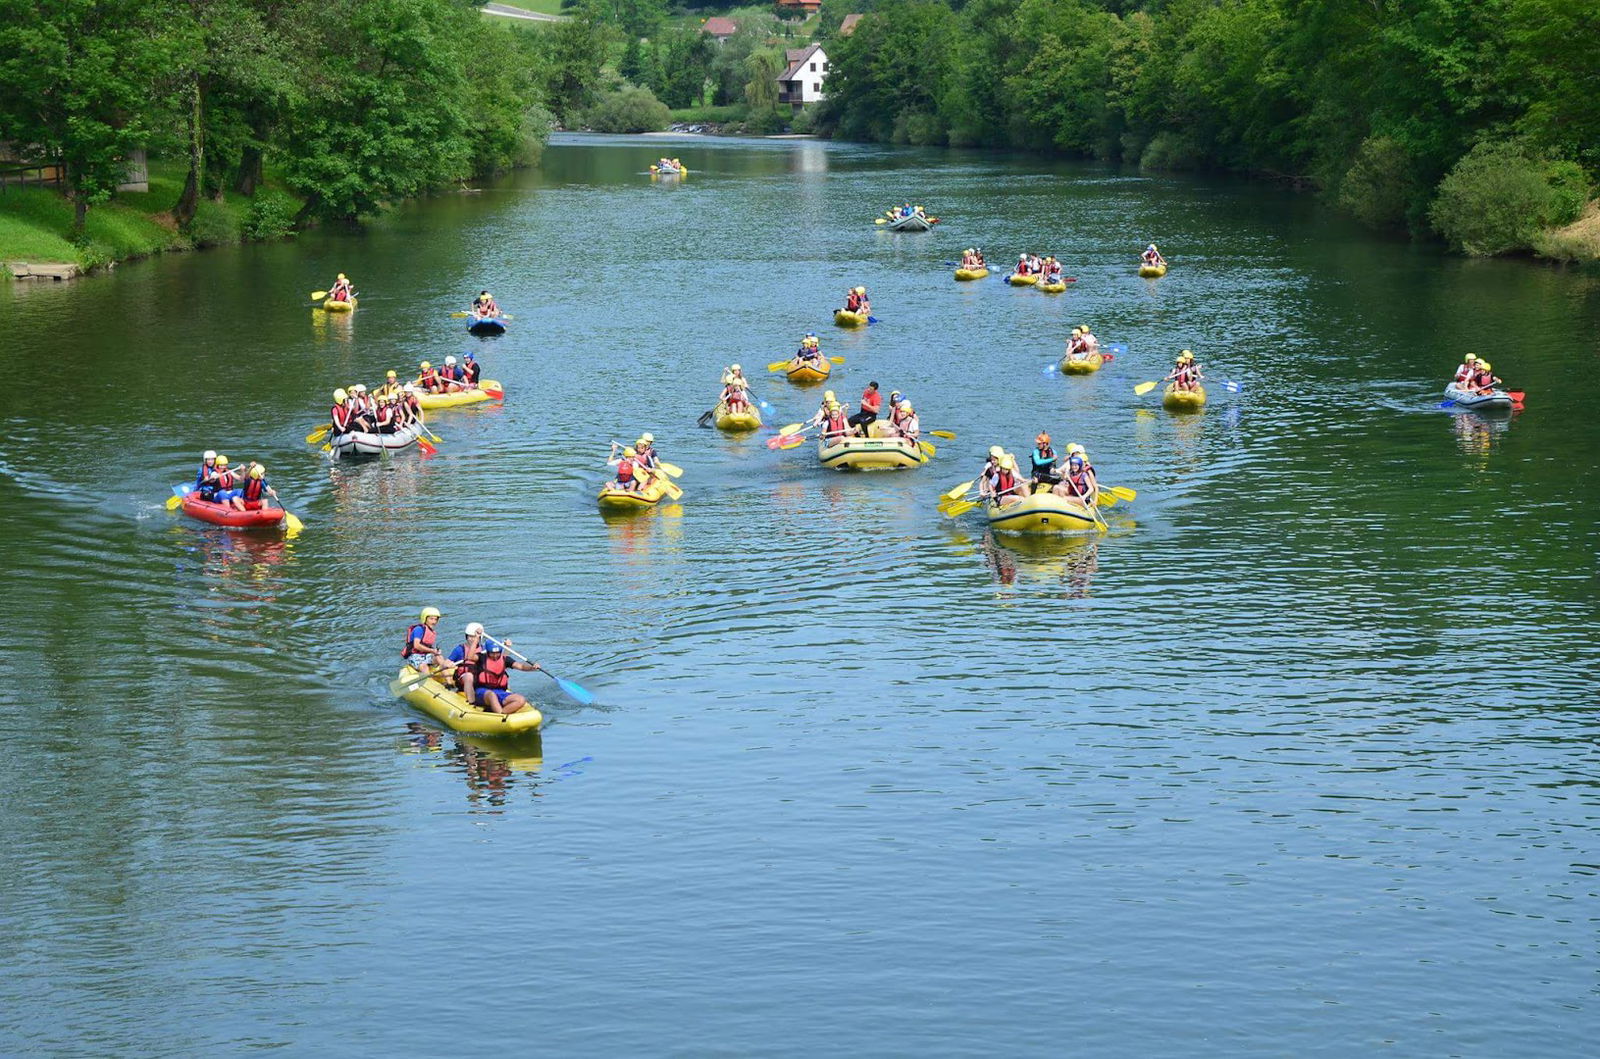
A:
630, 476
491, 679
341, 290
1152, 256
484, 305
645, 452
251, 496
1468, 368
421, 649
208, 461
735, 390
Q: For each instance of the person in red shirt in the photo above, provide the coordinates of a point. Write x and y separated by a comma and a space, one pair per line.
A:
871, 405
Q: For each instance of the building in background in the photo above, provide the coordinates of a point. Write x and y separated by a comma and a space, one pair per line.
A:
801, 82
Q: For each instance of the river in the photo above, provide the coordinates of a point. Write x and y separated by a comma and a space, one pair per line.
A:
1299, 759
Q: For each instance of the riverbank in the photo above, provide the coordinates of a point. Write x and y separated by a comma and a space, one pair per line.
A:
36, 225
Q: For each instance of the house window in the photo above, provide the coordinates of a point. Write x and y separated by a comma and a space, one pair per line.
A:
816, 86
813, 67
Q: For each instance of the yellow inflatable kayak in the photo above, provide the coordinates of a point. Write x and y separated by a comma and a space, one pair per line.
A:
1086, 366
814, 371
971, 273
448, 707
1022, 281
331, 306
737, 422
1175, 400
1152, 271
430, 401
615, 501
846, 318
1041, 513
1053, 288
877, 453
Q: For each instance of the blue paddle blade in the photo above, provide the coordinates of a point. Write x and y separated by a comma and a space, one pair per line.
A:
180, 490
872, 319
577, 691
1232, 387
1447, 404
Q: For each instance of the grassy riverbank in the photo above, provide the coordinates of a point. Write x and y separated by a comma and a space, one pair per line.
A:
36, 223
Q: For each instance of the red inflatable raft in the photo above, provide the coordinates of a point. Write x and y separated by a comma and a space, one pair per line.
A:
228, 515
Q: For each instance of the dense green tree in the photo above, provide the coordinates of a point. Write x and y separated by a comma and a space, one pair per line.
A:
76, 79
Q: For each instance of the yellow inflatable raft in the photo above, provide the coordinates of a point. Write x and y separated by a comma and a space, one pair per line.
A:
448, 707
846, 318
1041, 513
1153, 271
971, 273
876, 453
737, 422
331, 306
812, 371
1086, 366
616, 501
1022, 281
1175, 400
1053, 288
430, 401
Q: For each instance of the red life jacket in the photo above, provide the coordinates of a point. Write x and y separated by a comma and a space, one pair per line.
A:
385, 414
836, 422
491, 672
853, 302
225, 479
471, 372
341, 417
625, 471
430, 378
254, 488
411, 634
1005, 481
1483, 380
450, 372
1078, 483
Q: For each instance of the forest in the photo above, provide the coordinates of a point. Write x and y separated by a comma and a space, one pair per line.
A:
1476, 120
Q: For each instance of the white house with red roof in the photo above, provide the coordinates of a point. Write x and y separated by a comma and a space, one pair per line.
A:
801, 81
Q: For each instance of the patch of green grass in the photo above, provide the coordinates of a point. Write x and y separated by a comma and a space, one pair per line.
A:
33, 223
697, 115
538, 7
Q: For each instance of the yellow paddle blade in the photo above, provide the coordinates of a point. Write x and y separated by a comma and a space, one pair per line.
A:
318, 434
948, 435
673, 491
671, 468
929, 447
792, 428
880, 220
173, 501
459, 315
293, 522
1144, 388
958, 490
778, 365
327, 448
836, 360
1122, 493
957, 510
318, 295
1105, 499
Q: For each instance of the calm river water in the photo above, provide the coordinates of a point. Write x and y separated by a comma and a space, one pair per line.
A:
1300, 760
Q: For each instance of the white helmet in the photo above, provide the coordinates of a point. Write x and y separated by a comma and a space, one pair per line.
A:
210, 454
449, 362
475, 628
734, 368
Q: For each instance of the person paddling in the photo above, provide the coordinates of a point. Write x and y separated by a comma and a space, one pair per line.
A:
466, 656
871, 405
906, 423
645, 454
471, 370
1152, 256
484, 305
1481, 382
1006, 487
1468, 368
492, 678
421, 648
251, 496
630, 476
1078, 483
990, 465
428, 378
341, 289
208, 463
1044, 461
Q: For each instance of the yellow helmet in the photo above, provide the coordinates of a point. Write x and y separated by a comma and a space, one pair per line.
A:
1484, 364
428, 612
486, 294
630, 452
905, 406
391, 374
1186, 353
1075, 449
256, 470
834, 406
222, 461
1472, 356
996, 451
339, 396
1083, 327
647, 438
426, 365
1009, 462
1077, 330
861, 290
341, 275
734, 367
828, 397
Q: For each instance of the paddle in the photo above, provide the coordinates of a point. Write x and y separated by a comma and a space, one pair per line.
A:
178, 493
705, 419
956, 493
671, 469
928, 447
960, 508
318, 295
318, 434
461, 315
778, 365
576, 690
1144, 388
426, 446
948, 435
872, 320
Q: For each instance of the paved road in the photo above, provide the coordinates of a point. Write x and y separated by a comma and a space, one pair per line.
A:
516, 12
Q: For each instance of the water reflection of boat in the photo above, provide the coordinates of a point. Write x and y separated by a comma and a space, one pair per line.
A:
1476, 434
1070, 560
489, 766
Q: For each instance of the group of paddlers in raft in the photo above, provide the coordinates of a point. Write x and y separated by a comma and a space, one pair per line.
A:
394, 406
1001, 481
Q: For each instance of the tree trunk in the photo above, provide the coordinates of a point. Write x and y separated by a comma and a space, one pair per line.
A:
80, 213
249, 170
183, 212
302, 220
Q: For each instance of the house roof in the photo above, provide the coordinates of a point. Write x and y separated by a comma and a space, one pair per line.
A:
809, 5
720, 27
797, 58
848, 25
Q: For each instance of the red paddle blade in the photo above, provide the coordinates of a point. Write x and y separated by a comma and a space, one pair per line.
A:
496, 394
1518, 395
426, 446
1108, 357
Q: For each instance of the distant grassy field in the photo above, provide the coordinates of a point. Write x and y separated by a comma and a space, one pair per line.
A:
538, 7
